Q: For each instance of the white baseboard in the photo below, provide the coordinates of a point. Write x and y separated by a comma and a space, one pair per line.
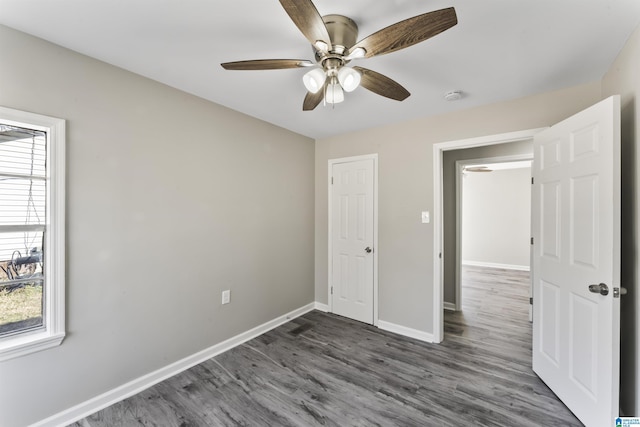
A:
321, 307
497, 265
407, 332
449, 306
97, 403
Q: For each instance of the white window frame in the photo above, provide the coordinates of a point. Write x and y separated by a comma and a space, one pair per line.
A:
53, 332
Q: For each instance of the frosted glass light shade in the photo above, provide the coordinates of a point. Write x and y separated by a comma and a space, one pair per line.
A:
334, 94
349, 79
314, 80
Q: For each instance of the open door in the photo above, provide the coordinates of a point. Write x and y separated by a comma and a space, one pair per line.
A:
576, 261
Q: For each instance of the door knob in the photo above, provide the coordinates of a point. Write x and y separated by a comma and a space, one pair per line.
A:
601, 289
368, 250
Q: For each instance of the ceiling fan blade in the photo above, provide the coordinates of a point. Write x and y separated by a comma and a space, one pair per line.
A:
407, 33
382, 85
306, 17
311, 100
267, 64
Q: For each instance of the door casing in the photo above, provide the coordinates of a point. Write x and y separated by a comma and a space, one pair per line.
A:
438, 150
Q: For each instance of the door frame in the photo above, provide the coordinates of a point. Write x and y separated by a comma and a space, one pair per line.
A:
438, 150
460, 165
331, 163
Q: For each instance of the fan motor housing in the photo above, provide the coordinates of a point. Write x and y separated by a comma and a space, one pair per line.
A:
343, 32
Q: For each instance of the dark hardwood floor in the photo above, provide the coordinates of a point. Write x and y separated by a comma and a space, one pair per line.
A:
322, 369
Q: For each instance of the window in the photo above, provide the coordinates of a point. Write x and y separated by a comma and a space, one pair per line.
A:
32, 258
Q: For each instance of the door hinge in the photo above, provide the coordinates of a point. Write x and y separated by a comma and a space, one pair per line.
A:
440, 255
532, 240
531, 180
332, 290
531, 300
331, 180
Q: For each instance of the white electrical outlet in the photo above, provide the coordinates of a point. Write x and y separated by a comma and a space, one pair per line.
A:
226, 297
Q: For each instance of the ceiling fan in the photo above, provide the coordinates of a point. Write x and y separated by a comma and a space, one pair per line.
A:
333, 38
477, 169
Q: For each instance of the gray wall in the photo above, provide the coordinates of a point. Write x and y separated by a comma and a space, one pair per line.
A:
405, 151
170, 200
495, 217
623, 78
449, 159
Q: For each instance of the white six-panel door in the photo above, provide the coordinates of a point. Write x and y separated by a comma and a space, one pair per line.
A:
576, 231
352, 251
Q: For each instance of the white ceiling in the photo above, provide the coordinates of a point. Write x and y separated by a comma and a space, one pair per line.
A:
499, 50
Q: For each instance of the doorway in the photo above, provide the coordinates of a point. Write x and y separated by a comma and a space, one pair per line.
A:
444, 219
493, 212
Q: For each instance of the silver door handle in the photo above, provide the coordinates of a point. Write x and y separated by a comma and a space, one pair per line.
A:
368, 250
601, 289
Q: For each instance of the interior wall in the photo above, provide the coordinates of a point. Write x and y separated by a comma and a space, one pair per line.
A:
405, 154
623, 78
449, 235
495, 217
170, 200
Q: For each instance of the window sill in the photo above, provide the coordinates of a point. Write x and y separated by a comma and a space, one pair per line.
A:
24, 344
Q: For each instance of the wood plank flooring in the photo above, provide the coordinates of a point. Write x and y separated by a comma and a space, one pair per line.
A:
325, 370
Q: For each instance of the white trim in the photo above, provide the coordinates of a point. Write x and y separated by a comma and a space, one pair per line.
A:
405, 331
458, 277
438, 149
117, 394
496, 265
481, 141
321, 307
450, 306
54, 302
24, 227
330, 164
29, 342
438, 287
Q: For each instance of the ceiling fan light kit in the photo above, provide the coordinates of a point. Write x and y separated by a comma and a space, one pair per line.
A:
314, 80
349, 79
333, 38
334, 94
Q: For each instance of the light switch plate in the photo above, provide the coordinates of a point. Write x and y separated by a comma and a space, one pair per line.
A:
425, 217
226, 297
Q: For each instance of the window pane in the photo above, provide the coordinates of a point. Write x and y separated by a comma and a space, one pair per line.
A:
22, 201
22, 151
21, 309
21, 281
20, 244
